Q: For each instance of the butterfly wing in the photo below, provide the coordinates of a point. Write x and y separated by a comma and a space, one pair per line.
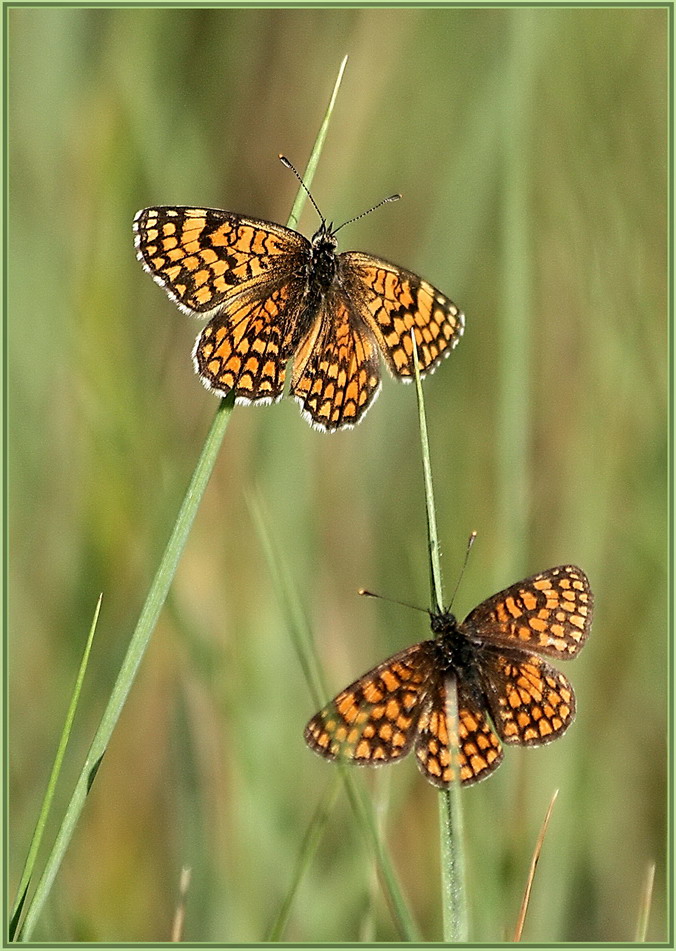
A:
336, 375
479, 749
392, 301
203, 257
530, 702
375, 719
246, 345
242, 271
550, 613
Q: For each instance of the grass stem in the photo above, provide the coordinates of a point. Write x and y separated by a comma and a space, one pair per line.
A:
436, 583
453, 890
311, 166
179, 913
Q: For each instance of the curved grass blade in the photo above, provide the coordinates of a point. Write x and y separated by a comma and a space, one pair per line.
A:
296, 621
152, 607
313, 161
36, 840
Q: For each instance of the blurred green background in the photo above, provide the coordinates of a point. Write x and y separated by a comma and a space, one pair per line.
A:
530, 148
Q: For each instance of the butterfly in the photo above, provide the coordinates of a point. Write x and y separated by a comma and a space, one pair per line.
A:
271, 296
506, 691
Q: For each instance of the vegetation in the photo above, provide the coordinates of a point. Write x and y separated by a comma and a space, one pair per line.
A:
530, 148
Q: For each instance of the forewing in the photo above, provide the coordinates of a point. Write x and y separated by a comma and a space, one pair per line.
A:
550, 613
375, 719
336, 375
479, 749
391, 301
531, 702
242, 347
203, 256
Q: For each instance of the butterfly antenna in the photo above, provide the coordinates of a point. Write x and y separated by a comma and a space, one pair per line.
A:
287, 164
364, 213
470, 542
405, 604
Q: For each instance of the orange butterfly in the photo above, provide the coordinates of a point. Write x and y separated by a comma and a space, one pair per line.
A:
506, 690
272, 296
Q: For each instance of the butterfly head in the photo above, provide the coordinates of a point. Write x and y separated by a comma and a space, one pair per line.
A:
443, 622
324, 237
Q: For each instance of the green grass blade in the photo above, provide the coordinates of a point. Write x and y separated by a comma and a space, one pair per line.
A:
453, 888
29, 866
308, 848
137, 647
313, 161
303, 642
153, 605
436, 583
297, 623
452, 836
301, 634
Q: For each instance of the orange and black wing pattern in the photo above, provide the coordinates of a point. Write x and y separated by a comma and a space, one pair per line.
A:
204, 257
375, 719
530, 702
478, 748
393, 301
506, 691
272, 295
401, 705
246, 345
336, 375
549, 613
242, 272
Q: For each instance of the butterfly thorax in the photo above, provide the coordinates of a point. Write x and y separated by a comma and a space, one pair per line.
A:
456, 651
323, 260
319, 274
